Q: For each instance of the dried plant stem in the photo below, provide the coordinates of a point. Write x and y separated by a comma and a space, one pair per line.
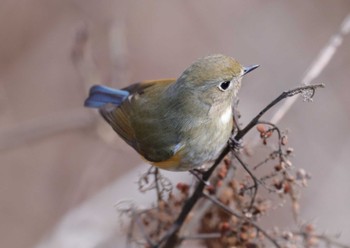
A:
284, 95
158, 191
255, 180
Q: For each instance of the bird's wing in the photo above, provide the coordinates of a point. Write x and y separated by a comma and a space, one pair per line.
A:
140, 121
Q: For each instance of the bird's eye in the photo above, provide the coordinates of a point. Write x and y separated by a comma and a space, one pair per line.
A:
224, 85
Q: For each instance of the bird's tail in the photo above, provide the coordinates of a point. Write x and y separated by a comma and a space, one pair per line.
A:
100, 95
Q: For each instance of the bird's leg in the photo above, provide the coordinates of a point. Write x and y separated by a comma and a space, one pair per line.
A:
235, 144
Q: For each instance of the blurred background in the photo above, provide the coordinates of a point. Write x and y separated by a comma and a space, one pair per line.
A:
55, 155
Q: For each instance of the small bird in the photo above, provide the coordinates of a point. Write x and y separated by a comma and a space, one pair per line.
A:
176, 124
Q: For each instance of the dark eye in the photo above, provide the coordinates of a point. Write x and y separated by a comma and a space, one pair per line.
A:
224, 85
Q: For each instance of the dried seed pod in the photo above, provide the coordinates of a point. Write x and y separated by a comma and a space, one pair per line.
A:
278, 185
301, 174
224, 226
287, 235
222, 173
286, 188
278, 167
309, 228
227, 162
244, 236
261, 128
289, 150
211, 189
183, 187
284, 140
268, 134
219, 183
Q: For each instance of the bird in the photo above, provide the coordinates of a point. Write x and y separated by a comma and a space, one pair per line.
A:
176, 124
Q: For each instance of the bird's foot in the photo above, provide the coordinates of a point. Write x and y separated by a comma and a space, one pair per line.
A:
236, 144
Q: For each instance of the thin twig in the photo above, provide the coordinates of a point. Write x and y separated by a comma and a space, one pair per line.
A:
156, 177
256, 181
265, 160
159, 194
284, 95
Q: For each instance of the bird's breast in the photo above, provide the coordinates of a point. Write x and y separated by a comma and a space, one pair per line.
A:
204, 142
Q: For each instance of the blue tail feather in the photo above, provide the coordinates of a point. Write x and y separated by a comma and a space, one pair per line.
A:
100, 95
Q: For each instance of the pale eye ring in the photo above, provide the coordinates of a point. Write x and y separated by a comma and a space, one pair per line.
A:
224, 85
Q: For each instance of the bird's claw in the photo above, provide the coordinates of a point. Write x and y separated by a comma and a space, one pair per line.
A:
236, 144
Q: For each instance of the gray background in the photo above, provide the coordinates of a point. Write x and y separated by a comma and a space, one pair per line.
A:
54, 154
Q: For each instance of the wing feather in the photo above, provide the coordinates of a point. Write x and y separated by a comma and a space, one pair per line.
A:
141, 122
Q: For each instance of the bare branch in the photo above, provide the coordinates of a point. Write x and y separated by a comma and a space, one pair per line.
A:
284, 95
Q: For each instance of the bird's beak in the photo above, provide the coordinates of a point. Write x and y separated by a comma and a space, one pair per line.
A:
248, 69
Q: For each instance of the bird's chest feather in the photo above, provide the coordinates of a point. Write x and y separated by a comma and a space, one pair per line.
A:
220, 125
206, 141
